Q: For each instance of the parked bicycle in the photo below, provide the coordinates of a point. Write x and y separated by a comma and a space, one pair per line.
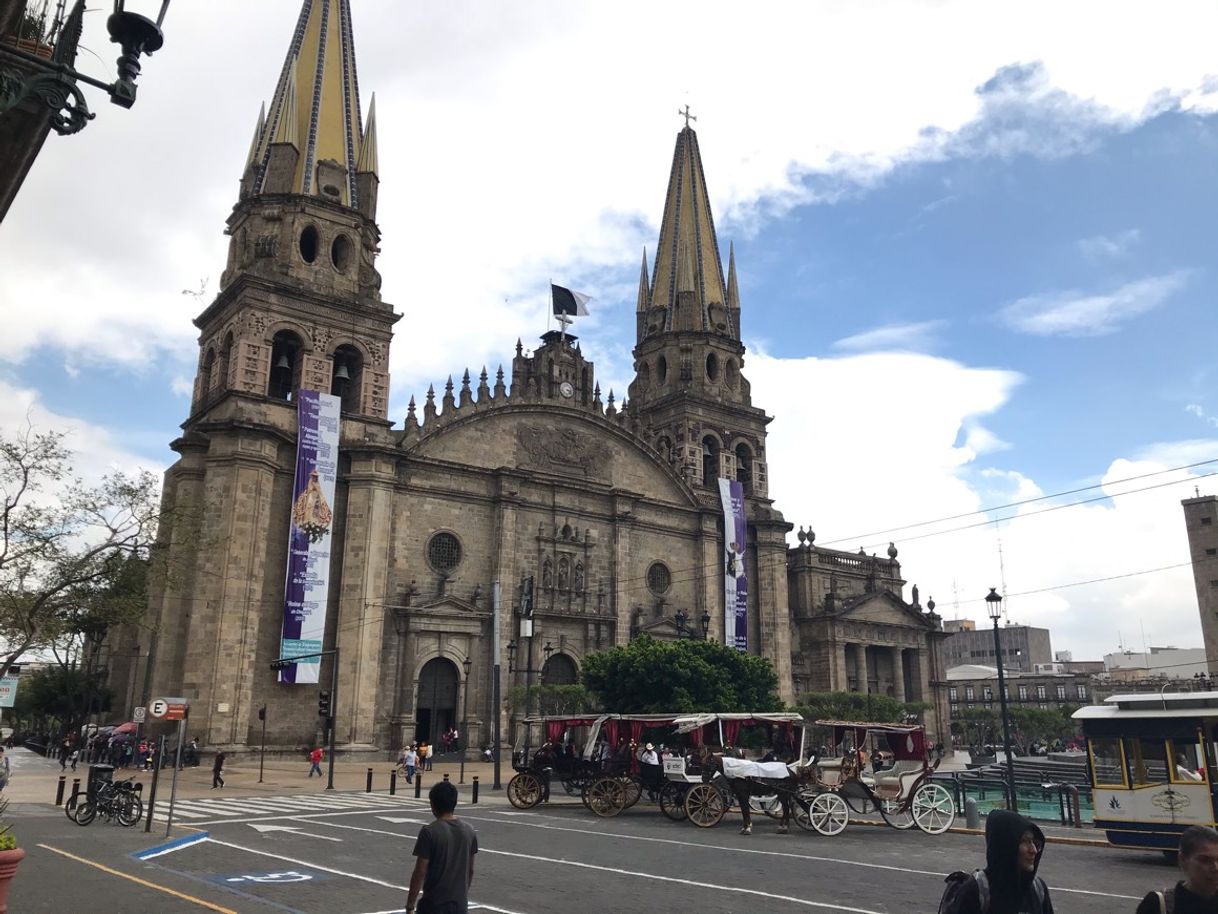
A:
117, 801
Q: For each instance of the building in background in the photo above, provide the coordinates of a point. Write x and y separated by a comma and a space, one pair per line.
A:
1023, 647
1160, 663
975, 685
959, 625
1201, 522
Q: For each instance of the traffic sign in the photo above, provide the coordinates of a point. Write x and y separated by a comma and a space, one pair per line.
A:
169, 708
159, 707
139, 715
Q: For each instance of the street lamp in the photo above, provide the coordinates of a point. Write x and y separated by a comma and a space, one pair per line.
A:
467, 663
993, 605
681, 618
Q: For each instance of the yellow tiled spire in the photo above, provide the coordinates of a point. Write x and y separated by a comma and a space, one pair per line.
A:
687, 233
316, 102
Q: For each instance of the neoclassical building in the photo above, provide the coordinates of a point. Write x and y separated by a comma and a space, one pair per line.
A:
600, 518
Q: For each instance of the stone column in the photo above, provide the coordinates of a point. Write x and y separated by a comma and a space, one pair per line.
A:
770, 586
840, 681
898, 673
860, 666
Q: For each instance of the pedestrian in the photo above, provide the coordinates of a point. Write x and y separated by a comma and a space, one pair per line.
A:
444, 864
424, 756
5, 771
75, 757
315, 758
1197, 893
217, 769
1008, 884
411, 760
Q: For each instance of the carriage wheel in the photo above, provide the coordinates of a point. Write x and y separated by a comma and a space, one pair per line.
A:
933, 808
800, 802
633, 788
828, 814
896, 813
524, 790
606, 797
672, 801
769, 804
704, 805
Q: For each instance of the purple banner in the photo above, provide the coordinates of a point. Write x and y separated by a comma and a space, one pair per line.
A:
735, 577
306, 592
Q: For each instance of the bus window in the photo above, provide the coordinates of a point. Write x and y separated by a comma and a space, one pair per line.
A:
1107, 762
1186, 766
1147, 761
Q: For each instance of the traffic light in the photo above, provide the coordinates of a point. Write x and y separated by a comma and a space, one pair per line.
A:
323, 704
282, 664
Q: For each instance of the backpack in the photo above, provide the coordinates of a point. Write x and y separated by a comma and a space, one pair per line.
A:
1167, 901
953, 895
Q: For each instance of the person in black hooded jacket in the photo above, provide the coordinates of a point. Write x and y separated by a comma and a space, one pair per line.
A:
1008, 884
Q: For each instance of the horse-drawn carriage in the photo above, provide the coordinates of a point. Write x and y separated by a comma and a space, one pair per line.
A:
902, 791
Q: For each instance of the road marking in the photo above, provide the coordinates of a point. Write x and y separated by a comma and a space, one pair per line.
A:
398, 821
169, 847
150, 885
294, 816
292, 829
714, 847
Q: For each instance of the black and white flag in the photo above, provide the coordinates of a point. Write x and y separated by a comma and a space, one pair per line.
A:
568, 302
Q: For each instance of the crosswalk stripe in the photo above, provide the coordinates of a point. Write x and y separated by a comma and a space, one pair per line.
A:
221, 807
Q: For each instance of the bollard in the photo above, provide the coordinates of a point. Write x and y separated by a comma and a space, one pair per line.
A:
368, 786
1075, 809
59, 790
418, 785
393, 782
971, 817
75, 788
474, 799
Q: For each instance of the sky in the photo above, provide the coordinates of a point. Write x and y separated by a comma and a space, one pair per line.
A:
975, 247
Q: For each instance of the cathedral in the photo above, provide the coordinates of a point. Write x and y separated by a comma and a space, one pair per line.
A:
522, 510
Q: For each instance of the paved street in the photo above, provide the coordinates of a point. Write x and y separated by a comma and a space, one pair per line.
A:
349, 853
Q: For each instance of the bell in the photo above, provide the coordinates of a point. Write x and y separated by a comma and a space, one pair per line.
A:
340, 373
282, 361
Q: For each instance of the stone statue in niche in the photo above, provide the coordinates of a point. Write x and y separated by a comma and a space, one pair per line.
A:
579, 576
476, 597
564, 573
547, 574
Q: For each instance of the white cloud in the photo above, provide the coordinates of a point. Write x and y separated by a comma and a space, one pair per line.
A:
1080, 314
1109, 247
917, 336
182, 386
1195, 410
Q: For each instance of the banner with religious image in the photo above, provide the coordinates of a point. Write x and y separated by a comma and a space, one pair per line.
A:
735, 577
307, 589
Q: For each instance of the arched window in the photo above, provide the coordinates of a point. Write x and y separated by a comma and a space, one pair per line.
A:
206, 376
286, 349
346, 377
710, 461
661, 370
226, 359
559, 670
712, 367
744, 467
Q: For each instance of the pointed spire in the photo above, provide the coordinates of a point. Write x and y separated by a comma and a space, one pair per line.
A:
644, 288
484, 390
249, 159
733, 290
367, 148
467, 396
610, 409
687, 233
447, 403
316, 102
500, 389
286, 132
429, 407
411, 419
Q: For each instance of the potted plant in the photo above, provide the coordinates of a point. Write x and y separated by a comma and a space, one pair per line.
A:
10, 855
32, 35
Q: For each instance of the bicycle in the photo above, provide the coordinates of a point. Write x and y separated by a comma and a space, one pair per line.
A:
119, 801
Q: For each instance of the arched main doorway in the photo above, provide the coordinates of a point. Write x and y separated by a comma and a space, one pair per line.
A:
436, 709
559, 670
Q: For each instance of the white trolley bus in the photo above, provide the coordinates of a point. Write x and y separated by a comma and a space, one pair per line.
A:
1152, 759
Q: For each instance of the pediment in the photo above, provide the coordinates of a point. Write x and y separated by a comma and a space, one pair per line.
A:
447, 603
883, 608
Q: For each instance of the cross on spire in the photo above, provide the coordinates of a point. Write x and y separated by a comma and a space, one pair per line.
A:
688, 117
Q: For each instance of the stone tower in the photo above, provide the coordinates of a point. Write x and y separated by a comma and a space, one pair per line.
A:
689, 389
299, 308
1201, 521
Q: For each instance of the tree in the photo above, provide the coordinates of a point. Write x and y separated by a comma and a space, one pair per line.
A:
981, 726
1043, 725
649, 676
880, 709
59, 697
550, 700
64, 543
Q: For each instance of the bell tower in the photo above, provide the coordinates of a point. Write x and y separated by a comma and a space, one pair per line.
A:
299, 306
689, 384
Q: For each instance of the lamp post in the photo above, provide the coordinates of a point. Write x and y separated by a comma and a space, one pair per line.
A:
993, 605
463, 743
684, 631
528, 671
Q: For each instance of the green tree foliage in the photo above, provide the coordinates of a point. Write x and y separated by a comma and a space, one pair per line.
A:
550, 700
60, 698
647, 676
1044, 725
980, 726
880, 709
65, 543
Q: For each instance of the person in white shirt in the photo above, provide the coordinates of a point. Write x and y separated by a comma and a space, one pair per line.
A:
649, 771
1183, 772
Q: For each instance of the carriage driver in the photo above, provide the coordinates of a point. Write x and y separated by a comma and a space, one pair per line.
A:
649, 771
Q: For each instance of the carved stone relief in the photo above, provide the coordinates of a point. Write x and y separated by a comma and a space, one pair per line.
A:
563, 451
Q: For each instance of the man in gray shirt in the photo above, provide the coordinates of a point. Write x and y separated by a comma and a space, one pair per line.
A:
444, 867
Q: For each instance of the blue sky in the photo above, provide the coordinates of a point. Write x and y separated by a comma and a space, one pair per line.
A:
976, 251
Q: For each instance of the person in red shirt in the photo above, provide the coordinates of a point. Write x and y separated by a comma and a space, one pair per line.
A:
315, 758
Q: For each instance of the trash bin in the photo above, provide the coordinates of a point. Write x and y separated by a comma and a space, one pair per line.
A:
98, 775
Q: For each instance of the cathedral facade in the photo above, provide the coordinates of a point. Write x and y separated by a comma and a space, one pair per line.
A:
526, 489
